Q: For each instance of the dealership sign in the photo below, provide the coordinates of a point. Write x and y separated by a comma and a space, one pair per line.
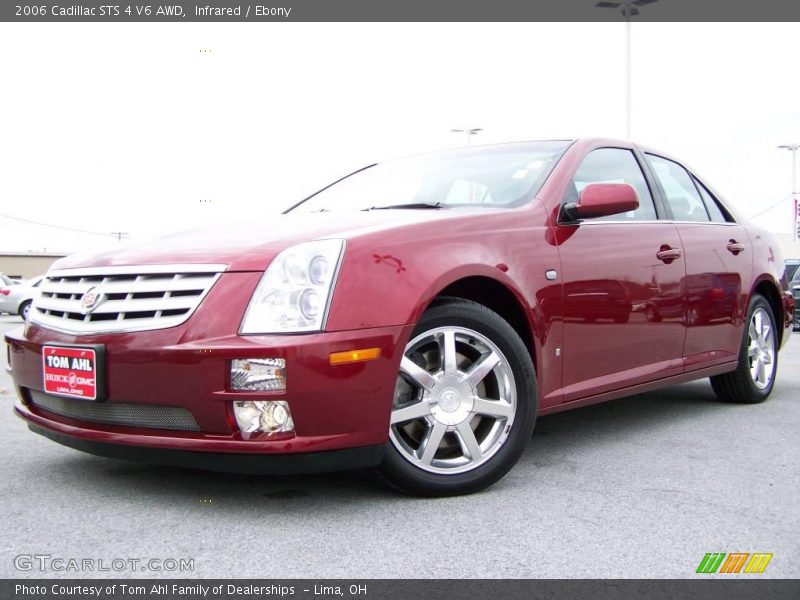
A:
70, 372
796, 220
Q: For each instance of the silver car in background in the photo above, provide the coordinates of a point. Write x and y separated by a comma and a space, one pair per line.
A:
6, 280
16, 298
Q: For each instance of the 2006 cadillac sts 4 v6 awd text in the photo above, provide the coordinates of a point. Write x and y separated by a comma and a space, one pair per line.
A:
415, 316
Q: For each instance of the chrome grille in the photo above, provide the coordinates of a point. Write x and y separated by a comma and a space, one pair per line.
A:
148, 416
128, 298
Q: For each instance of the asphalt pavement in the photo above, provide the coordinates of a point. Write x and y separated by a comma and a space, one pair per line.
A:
638, 487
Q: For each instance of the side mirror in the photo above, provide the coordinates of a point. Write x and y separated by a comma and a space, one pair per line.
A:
602, 200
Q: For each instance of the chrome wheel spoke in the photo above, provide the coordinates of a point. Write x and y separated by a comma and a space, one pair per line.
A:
761, 372
417, 374
752, 350
758, 322
448, 349
499, 409
482, 369
411, 412
468, 441
430, 444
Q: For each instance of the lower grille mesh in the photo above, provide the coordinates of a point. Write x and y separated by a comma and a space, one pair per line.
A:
116, 413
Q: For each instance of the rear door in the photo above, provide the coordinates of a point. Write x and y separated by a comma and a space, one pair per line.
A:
622, 279
718, 263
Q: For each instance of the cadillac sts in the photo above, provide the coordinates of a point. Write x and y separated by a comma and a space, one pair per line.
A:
415, 316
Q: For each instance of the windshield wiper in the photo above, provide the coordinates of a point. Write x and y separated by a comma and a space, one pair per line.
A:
410, 205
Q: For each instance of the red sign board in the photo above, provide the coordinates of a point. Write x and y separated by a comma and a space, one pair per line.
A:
70, 371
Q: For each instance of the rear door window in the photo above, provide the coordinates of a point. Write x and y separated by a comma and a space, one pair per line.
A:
681, 194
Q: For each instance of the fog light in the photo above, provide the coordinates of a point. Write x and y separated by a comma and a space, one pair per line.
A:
258, 374
267, 416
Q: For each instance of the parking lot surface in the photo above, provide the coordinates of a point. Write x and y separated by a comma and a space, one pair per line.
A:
639, 487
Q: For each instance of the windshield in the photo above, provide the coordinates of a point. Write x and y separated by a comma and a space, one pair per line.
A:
505, 176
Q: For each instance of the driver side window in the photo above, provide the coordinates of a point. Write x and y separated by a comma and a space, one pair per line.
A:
614, 165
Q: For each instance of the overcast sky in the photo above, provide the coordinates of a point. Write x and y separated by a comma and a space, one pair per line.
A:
131, 127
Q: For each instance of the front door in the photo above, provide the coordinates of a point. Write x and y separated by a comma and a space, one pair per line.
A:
622, 278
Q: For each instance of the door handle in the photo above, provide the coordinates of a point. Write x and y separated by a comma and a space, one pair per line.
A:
667, 254
735, 247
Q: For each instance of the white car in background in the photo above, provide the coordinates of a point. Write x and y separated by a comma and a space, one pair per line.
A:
6, 280
16, 298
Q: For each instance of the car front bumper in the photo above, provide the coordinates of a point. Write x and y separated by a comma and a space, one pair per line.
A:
340, 412
228, 462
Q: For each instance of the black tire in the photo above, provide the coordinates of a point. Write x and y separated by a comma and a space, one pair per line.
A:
408, 478
23, 308
738, 386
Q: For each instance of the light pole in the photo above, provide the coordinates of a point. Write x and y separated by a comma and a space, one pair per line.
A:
793, 148
468, 132
628, 10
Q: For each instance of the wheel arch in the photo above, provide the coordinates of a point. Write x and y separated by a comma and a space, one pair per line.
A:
22, 304
496, 296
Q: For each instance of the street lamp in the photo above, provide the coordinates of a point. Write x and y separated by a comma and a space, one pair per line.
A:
468, 132
629, 9
793, 148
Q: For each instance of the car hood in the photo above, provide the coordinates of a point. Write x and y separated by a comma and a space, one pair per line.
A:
251, 246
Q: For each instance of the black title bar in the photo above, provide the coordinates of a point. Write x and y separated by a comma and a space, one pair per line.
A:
398, 10
740, 588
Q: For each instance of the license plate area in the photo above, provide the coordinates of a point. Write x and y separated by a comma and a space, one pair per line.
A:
74, 371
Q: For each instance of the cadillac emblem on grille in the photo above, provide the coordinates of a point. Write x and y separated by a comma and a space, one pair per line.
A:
91, 299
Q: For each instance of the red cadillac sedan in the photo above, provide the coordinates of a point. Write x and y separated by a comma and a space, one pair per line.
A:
415, 316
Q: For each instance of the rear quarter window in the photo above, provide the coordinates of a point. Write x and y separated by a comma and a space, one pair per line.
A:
712, 206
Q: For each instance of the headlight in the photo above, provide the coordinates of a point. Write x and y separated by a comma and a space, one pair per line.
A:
295, 292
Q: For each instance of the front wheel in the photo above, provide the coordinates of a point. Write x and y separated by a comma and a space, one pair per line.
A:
464, 404
754, 376
25, 310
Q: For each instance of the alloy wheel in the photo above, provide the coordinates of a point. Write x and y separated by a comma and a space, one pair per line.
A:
455, 401
761, 349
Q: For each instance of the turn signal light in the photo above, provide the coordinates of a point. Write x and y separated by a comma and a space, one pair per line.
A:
258, 374
351, 356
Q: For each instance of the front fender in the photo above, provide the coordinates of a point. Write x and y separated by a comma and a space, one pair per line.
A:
390, 280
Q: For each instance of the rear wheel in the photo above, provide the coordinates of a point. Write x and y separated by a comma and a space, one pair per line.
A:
754, 376
464, 404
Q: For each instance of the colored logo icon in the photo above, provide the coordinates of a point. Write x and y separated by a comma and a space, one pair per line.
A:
735, 562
